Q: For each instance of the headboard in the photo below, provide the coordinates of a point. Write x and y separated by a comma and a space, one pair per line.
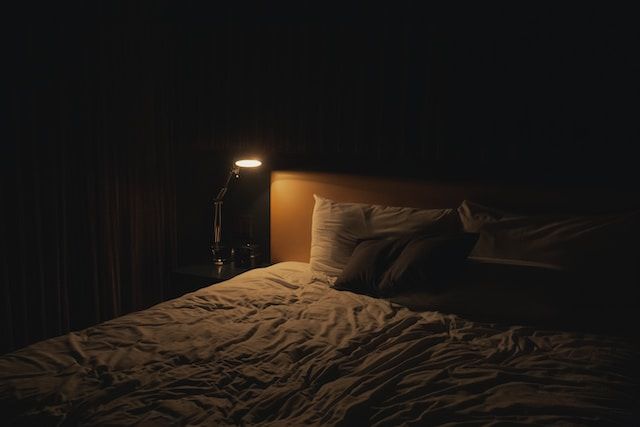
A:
292, 202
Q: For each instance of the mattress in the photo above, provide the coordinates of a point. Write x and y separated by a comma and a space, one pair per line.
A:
274, 346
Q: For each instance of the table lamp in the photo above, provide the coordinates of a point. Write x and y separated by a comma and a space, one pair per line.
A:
222, 253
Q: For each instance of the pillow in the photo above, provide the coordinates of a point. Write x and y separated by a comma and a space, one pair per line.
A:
602, 244
337, 228
517, 293
368, 263
427, 262
499, 292
391, 266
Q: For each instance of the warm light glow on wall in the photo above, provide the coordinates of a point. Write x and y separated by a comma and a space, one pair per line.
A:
248, 163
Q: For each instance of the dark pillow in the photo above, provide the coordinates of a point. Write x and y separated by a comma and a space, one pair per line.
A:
369, 261
530, 295
427, 262
387, 267
499, 293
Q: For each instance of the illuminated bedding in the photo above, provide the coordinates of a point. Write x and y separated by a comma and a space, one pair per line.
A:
272, 346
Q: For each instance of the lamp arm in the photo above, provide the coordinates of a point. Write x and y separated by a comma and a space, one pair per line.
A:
217, 207
235, 171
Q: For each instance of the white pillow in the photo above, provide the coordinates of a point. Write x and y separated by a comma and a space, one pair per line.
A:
337, 228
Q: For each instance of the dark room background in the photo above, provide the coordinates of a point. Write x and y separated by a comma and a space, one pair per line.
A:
123, 120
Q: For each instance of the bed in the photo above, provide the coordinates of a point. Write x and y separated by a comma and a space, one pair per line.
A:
282, 346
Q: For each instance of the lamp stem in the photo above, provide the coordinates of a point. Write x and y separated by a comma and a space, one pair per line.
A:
217, 207
217, 222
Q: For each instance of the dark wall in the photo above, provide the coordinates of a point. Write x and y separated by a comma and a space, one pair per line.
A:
124, 119
487, 91
543, 95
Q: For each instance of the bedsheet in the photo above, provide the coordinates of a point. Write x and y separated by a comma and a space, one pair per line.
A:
274, 346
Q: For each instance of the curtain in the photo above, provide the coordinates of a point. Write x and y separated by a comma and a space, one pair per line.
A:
88, 188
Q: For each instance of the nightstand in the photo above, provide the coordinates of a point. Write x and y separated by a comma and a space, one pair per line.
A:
193, 277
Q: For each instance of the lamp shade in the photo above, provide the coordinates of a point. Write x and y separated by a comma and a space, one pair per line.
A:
248, 163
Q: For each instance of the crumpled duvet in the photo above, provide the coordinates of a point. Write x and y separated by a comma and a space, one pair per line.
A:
274, 347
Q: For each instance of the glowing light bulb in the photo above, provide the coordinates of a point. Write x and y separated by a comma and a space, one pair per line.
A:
248, 163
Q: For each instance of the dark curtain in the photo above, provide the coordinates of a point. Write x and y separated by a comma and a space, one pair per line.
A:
88, 188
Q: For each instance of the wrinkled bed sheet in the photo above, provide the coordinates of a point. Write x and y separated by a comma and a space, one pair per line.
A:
272, 346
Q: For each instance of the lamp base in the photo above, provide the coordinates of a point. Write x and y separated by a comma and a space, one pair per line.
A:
221, 254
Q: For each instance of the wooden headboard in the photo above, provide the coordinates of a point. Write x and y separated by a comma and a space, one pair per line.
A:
292, 201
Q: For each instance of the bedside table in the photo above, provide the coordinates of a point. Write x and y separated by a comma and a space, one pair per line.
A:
193, 277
